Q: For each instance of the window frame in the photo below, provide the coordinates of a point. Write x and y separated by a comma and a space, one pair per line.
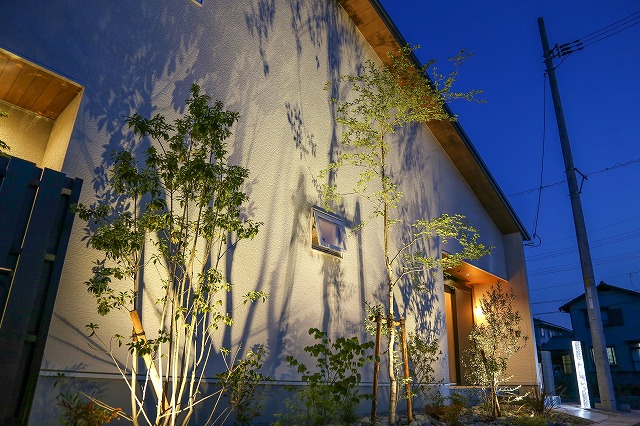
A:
634, 347
611, 356
321, 244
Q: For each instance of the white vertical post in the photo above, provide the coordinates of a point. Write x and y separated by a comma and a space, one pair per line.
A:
583, 390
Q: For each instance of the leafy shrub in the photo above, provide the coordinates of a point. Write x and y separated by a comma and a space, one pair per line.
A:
331, 392
538, 402
450, 414
423, 355
78, 412
240, 384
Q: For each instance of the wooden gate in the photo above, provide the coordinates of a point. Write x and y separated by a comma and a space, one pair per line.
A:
35, 224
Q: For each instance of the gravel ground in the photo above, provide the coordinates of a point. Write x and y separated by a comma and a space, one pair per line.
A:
471, 417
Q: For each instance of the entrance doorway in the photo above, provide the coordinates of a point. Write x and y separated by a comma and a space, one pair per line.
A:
459, 320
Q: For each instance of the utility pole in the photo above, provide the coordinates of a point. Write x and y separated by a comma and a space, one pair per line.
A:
603, 372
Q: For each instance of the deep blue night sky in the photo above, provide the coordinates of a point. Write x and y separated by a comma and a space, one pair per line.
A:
600, 90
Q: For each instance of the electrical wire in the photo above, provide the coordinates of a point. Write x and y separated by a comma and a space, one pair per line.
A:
593, 244
580, 283
595, 37
535, 238
610, 25
606, 169
601, 261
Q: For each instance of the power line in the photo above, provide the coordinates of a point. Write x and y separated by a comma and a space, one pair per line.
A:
594, 230
606, 169
628, 274
551, 301
535, 238
601, 261
604, 33
595, 243
608, 26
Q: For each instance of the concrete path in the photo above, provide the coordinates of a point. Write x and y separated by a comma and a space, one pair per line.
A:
602, 417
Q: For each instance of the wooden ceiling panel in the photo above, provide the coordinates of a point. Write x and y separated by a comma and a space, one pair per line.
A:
471, 275
8, 75
367, 15
45, 97
61, 101
372, 28
34, 89
21, 84
38, 85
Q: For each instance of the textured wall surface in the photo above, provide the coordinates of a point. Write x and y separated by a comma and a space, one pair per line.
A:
269, 60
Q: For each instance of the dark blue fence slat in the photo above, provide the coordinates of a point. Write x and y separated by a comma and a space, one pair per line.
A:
63, 225
35, 217
16, 199
25, 287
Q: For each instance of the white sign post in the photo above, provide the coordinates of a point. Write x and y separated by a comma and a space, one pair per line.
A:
582, 377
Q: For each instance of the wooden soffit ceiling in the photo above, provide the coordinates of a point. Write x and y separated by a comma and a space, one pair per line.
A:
33, 88
383, 37
472, 275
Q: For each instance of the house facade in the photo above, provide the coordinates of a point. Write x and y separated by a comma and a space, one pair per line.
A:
620, 311
72, 71
554, 364
545, 330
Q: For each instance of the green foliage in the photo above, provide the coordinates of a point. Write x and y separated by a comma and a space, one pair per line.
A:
175, 214
79, 412
424, 355
538, 402
494, 339
385, 99
526, 420
449, 413
331, 392
240, 383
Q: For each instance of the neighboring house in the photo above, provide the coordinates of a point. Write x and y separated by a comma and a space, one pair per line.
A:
545, 330
620, 311
70, 71
555, 364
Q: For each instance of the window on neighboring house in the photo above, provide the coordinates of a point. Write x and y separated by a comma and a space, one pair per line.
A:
567, 365
615, 317
635, 355
328, 233
611, 356
610, 317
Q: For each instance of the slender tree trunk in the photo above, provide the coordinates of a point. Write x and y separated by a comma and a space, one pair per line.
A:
393, 384
134, 384
495, 404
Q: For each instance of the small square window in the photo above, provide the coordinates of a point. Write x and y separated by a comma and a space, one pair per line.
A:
328, 233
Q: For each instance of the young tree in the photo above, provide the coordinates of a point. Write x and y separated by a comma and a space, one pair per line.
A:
495, 339
386, 99
176, 215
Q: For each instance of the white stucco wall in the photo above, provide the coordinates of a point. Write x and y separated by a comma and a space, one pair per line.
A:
26, 133
269, 60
